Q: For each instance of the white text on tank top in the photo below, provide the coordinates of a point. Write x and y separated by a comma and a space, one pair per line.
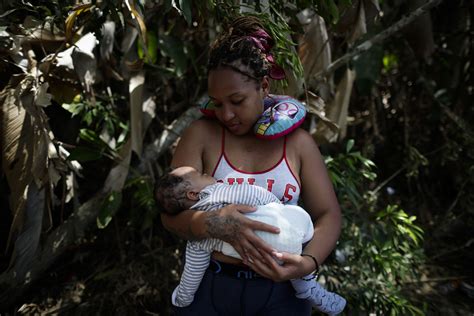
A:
279, 179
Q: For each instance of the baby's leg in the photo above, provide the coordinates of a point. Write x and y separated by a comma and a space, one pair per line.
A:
196, 264
321, 299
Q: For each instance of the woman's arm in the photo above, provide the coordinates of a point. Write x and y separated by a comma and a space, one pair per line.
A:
188, 224
320, 202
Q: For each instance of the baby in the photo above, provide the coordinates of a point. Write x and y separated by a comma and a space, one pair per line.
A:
186, 188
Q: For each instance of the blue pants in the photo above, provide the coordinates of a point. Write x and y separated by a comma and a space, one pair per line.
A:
221, 294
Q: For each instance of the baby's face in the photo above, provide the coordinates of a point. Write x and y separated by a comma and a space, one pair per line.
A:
198, 180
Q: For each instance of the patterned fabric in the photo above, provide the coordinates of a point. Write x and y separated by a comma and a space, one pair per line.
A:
282, 115
217, 195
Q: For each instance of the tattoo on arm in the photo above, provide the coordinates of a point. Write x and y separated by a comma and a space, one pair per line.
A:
225, 229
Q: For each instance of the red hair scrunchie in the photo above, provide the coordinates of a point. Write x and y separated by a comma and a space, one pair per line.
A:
264, 42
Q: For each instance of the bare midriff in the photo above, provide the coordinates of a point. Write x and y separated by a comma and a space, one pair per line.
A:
219, 256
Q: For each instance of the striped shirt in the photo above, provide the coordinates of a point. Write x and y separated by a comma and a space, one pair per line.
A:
295, 226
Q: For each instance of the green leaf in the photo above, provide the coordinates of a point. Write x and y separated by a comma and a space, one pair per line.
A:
185, 6
349, 145
174, 48
152, 39
333, 11
328, 160
389, 61
152, 48
108, 209
91, 137
73, 108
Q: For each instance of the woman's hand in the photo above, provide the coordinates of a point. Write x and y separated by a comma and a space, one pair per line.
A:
292, 266
231, 226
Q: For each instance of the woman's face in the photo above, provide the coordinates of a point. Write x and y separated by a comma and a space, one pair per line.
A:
237, 98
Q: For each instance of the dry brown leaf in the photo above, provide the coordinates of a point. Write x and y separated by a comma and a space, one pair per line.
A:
78, 58
339, 106
137, 16
107, 41
28, 151
42, 97
71, 19
317, 106
118, 174
314, 49
356, 18
359, 28
17, 149
84, 61
130, 35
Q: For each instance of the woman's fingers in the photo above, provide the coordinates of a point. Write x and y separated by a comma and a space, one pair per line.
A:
244, 208
245, 249
286, 258
278, 266
258, 243
230, 224
256, 225
239, 230
270, 271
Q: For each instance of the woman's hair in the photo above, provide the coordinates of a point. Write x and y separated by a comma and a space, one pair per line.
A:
237, 48
170, 193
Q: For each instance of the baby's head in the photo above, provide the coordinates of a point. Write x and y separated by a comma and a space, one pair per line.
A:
179, 190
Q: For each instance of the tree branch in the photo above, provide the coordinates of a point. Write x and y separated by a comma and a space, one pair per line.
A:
378, 38
154, 150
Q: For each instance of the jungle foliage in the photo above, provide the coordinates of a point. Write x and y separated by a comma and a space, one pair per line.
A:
95, 94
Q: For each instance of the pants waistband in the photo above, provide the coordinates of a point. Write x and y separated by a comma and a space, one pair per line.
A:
235, 271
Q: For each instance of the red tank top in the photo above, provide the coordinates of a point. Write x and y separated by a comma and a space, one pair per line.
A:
279, 179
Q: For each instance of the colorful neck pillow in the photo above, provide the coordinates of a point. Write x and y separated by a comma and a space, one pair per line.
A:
281, 115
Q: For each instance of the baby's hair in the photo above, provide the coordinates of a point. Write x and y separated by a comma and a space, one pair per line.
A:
234, 48
170, 193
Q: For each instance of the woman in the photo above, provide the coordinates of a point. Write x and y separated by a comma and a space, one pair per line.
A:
239, 72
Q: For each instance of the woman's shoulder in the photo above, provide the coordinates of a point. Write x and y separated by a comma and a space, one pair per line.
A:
199, 139
302, 145
203, 127
300, 137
